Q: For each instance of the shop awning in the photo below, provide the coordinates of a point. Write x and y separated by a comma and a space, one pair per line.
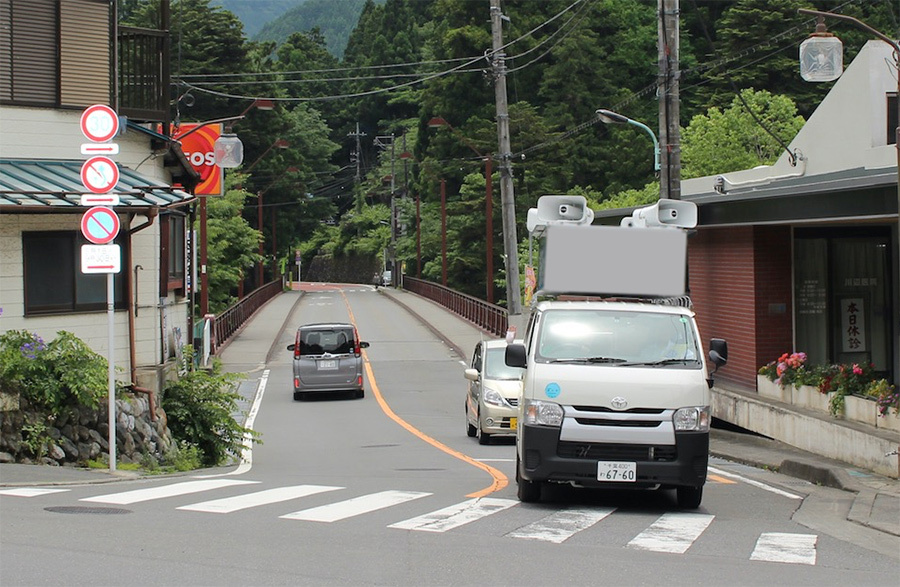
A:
35, 185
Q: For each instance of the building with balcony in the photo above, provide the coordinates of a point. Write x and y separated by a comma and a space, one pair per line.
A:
58, 57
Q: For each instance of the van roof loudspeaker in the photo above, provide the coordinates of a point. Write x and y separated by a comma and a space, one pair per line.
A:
558, 210
673, 213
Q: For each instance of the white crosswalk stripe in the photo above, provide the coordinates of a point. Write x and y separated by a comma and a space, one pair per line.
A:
455, 515
562, 525
185, 488
30, 491
781, 547
355, 506
672, 533
251, 500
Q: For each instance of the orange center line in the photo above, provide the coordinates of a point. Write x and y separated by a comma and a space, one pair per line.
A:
499, 479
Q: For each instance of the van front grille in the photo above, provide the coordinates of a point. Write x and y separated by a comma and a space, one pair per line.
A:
616, 452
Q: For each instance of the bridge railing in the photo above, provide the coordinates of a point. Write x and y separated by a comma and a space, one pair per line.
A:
490, 317
224, 325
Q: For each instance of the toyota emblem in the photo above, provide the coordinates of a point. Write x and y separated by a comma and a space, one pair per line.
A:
619, 403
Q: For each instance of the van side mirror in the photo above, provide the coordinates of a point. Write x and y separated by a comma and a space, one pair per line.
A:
516, 356
471, 374
291, 346
718, 352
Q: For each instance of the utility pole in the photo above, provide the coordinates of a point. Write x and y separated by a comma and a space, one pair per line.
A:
357, 156
507, 196
669, 112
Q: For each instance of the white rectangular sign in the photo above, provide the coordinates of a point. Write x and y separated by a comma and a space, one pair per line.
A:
101, 259
611, 260
99, 149
99, 199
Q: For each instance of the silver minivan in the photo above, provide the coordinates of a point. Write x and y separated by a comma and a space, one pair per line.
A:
327, 358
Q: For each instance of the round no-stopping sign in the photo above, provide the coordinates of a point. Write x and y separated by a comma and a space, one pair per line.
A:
100, 225
99, 123
99, 174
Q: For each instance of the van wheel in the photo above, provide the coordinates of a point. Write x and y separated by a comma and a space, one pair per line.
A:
528, 491
298, 396
689, 498
360, 393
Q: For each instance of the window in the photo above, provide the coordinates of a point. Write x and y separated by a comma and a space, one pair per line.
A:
54, 283
173, 253
842, 295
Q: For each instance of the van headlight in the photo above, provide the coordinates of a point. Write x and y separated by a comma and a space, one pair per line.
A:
692, 419
543, 413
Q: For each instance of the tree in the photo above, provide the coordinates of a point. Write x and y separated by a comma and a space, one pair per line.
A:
232, 246
731, 140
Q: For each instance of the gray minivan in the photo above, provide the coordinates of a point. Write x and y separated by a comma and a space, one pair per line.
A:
327, 358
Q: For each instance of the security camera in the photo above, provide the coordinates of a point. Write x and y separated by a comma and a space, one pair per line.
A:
569, 212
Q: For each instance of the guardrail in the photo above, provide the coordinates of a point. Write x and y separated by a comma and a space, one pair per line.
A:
228, 322
490, 317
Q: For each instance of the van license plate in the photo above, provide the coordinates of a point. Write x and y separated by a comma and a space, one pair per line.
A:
326, 365
622, 472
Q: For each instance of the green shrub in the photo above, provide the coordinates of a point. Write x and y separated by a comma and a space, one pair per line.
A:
199, 407
52, 375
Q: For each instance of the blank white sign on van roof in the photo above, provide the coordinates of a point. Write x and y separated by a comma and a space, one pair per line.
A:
613, 260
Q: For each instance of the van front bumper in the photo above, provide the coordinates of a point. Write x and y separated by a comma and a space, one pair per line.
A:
544, 458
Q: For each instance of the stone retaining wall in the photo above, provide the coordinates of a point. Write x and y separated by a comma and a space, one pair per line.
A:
80, 434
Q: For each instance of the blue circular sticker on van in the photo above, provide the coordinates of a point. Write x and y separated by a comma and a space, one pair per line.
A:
552, 390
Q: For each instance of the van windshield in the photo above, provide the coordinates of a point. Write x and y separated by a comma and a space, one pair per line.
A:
496, 367
610, 337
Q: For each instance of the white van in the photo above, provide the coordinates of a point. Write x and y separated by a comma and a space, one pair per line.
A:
615, 394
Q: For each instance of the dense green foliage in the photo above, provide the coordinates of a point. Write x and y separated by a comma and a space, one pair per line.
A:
334, 19
200, 406
408, 61
52, 375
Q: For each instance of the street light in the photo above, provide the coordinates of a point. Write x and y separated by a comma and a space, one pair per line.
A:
278, 144
438, 122
823, 51
610, 117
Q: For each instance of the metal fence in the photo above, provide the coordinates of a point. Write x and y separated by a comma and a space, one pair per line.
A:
228, 322
490, 317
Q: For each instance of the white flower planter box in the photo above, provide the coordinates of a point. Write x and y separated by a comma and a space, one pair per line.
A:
809, 397
889, 422
770, 389
861, 409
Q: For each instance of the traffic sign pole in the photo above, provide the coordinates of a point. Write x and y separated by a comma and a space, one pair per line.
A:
100, 225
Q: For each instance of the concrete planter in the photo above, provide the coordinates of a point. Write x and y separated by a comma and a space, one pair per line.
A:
809, 397
861, 409
889, 422
772, 390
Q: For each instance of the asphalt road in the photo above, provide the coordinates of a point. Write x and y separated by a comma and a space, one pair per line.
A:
389, 490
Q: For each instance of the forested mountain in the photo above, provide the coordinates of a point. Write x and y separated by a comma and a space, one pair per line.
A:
336, 19
408, 61
255, 14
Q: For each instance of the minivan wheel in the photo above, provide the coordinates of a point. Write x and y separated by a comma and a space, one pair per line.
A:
360, 393
298, 396
689, 498
528, 491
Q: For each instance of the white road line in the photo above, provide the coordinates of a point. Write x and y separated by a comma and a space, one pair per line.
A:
30, 491
562, 525
455, 515
354, 507
138, 495
780, 547
496, 460
250, 500
754, 483
672, 533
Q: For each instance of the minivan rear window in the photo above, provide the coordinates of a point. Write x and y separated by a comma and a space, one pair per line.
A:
335, 341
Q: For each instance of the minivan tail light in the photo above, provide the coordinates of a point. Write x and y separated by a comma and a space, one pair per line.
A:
297, 345
356, 349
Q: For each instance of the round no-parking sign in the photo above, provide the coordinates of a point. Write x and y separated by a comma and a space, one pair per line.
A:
100, 225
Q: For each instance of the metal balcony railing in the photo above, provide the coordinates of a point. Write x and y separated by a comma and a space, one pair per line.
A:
143, 74
489, 317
